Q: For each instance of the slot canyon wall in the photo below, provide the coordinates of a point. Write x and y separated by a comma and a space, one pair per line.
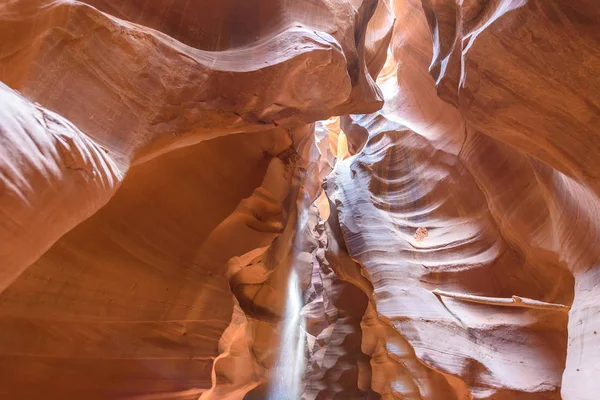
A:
164, 165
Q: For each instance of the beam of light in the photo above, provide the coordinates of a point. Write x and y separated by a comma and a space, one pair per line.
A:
286, 381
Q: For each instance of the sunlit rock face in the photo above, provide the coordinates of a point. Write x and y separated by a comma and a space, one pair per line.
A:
165, 166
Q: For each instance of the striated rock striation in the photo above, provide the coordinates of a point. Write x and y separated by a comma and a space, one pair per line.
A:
429, 169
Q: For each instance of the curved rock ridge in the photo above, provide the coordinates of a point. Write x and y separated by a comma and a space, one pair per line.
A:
123, 305
133, 76
437, 200
502, 55
147, 93
428, 169
399, 184
53, 177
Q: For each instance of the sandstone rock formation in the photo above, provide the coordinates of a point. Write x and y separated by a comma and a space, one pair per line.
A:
428, 168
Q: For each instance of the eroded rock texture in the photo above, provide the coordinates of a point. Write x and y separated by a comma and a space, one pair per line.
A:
165, 165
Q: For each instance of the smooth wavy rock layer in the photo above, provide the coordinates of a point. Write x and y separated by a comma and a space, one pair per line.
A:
422, 165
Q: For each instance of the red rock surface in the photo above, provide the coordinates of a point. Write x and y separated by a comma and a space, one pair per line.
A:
164, 165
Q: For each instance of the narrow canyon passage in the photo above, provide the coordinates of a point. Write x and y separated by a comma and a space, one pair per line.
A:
299, 199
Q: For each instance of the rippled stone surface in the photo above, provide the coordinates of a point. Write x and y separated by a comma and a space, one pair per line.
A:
163, 166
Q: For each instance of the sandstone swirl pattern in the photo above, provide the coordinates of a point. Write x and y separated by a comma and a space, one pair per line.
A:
163, 165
